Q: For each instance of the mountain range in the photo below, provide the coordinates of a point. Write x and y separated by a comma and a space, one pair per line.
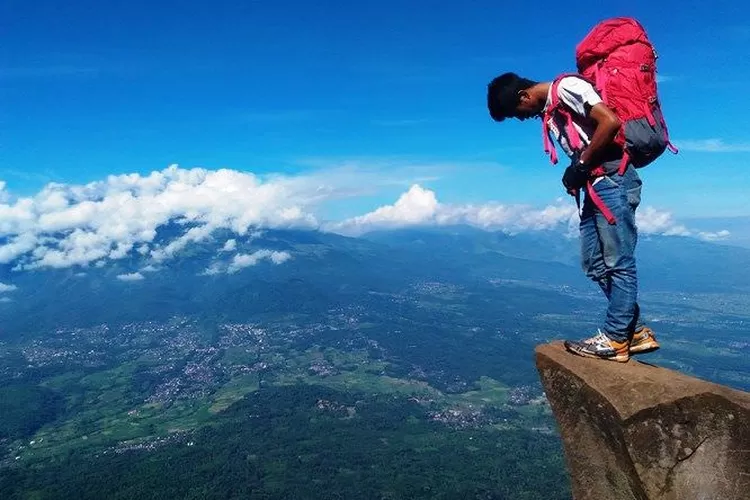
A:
296, 271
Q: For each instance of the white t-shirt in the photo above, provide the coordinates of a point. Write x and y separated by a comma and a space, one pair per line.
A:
580, 96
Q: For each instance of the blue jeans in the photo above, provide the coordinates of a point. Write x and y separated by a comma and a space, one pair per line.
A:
608, 251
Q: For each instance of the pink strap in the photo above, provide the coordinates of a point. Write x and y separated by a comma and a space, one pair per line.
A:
572, 133
549, 148
624, 163
599, 203
671, 146
573, 137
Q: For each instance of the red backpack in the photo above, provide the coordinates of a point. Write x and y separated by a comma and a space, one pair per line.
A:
618, 59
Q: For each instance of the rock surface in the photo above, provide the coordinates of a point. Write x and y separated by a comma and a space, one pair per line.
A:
637, 431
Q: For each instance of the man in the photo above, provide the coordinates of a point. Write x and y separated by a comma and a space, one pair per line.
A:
608, 231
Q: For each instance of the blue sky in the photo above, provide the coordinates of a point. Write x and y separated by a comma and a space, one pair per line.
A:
89, 89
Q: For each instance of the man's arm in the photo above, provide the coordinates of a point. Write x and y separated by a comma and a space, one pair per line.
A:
607, 126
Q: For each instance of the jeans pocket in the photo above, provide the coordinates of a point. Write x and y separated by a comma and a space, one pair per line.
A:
606, 183
634, 186
634, 196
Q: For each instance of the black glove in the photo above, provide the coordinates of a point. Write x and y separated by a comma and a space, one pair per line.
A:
575, 177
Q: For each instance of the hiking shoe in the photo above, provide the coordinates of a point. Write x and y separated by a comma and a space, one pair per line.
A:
600, 347
643, 340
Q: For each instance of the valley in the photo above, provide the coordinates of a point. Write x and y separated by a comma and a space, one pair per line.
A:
383, 367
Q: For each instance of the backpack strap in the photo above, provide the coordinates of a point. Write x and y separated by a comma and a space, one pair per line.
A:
626, 158
595, 198
623, 162
575, 143
671, 146
556, 106
599, 203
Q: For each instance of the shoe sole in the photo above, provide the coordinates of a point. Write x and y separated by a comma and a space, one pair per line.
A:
644, 348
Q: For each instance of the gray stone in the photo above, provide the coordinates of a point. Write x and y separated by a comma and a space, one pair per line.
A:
637, 431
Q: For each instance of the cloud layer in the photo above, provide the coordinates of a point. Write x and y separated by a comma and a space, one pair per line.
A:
419, 206
93, 224
65, 225
714, 146
130, 277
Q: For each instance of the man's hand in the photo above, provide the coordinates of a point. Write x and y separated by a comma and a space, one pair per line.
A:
575, 177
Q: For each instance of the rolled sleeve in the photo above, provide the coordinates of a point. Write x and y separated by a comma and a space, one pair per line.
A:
578, 94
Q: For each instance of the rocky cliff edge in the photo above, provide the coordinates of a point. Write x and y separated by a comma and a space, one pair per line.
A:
637, 431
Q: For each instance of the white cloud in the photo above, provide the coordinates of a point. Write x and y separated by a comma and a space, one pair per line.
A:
80, 225
280, 257
420, 206
663, 78
214, 269
653, 221
91, 225
241, 261
714, 236
6, 299
130, 277
7, 288
713, 146
192, 235
17, 245
65, 225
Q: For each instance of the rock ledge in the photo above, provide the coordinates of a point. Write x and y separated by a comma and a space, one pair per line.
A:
637, 431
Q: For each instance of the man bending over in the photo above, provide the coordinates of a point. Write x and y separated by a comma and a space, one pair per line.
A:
608, 231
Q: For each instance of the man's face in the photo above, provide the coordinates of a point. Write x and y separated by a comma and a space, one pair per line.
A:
528, 107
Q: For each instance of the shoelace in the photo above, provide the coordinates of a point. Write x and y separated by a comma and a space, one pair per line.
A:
601, 340
596, 339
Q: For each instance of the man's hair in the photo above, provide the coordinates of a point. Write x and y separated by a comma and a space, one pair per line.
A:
502, 95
